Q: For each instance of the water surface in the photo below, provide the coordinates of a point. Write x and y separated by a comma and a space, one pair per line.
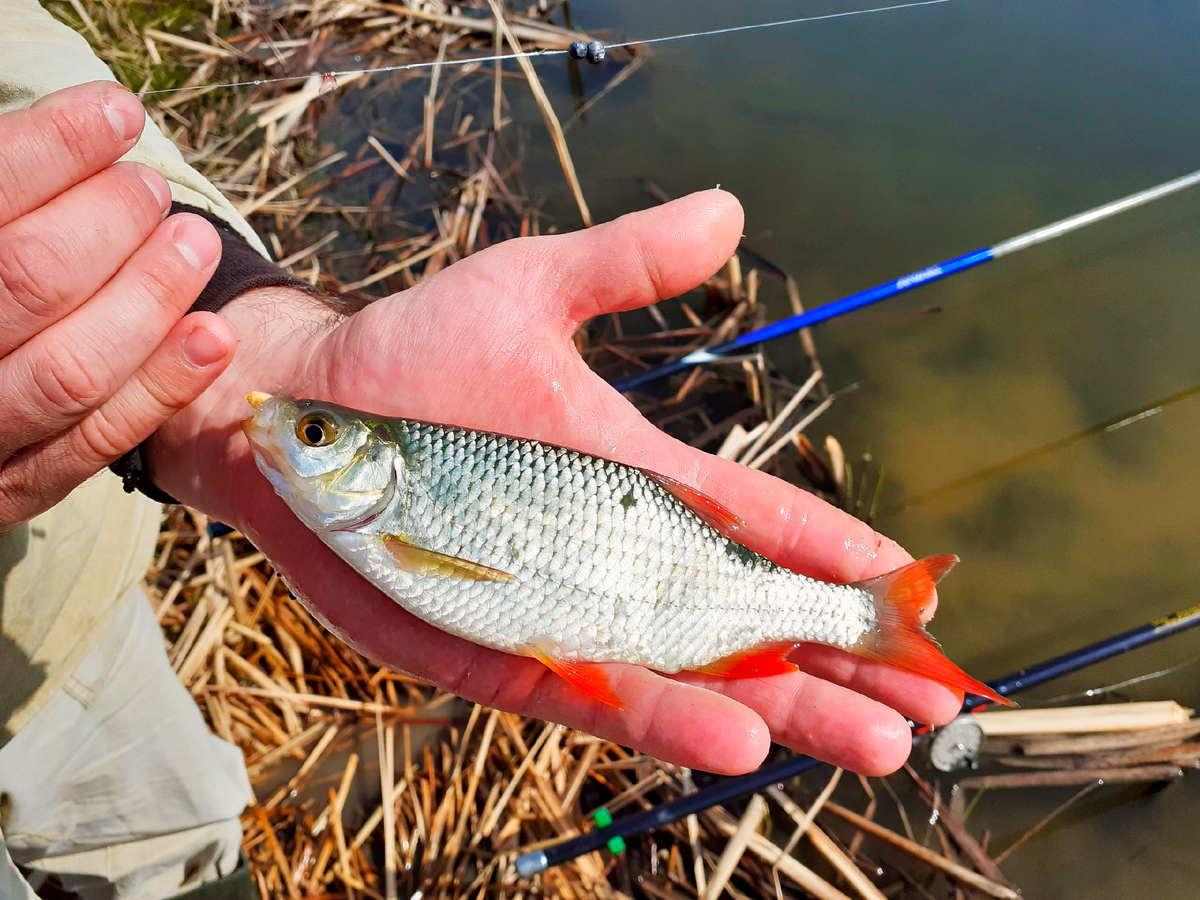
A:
868, 147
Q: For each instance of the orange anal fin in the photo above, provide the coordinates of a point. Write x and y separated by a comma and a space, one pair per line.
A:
430, 563
590, 678
757, 662
708, 510
900, 639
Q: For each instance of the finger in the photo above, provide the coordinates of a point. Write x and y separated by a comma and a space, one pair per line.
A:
667, 719
911, 695
189, 359
637, 259
59, 255
70, 369
822, 720
62, 139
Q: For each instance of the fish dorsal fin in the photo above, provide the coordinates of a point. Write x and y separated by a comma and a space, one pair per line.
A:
705, 508
420, 561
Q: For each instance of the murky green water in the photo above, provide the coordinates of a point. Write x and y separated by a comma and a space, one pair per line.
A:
869, 147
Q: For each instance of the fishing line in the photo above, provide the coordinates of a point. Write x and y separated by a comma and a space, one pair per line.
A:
546, 54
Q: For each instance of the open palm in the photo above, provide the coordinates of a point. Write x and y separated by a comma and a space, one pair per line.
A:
486, 344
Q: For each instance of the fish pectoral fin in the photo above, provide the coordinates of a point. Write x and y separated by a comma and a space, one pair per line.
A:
757, 662
420, 561
705, 508
590, 678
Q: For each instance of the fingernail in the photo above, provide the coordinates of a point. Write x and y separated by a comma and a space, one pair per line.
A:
196, 241
125, 114
203, 348
157, 184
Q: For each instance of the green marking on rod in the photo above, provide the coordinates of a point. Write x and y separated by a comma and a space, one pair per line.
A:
602, 817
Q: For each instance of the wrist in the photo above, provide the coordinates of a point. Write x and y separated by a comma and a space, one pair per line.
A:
200, 456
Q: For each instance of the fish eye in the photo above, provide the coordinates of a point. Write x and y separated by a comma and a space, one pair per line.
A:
316, 430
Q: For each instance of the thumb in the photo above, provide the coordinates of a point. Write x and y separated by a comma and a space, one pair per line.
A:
639, 258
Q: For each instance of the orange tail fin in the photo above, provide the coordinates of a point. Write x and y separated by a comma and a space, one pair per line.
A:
901, 640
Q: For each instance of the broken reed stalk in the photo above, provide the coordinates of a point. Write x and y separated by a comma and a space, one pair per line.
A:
1054, 814
1067, 777
953, 869
552, 123
1083, 719
824, 844
738, 841
1094, 743
773, 855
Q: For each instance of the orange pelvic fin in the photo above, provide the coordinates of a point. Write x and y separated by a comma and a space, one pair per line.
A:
757, 662
590, 678
901, 640
705, 508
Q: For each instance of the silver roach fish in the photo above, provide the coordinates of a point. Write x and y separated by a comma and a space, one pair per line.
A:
571, 559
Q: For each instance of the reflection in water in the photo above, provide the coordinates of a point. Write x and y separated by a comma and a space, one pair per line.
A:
1011, 466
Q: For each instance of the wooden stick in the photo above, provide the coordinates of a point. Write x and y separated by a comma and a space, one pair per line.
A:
1059, 810
953, 869
1065, 777
285, 871
791, 434
184, 43
824, 844
431, 97
773, 855
246, 207
1097, 743
275, 755
788, 409
1083, 719
489, 824
732, 854
552, 123
337, 803
387, 774
406, 263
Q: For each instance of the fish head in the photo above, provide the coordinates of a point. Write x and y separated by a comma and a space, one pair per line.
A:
334, 468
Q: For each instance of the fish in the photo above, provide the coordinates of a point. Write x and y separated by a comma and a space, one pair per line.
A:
572, 559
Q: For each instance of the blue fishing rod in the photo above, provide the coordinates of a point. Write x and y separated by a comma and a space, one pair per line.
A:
908, 282
611, 833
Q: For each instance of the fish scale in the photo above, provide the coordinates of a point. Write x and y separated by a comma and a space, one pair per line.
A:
615, 589
576, 560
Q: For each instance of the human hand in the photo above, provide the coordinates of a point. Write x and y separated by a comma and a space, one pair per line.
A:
94, 355
487, 344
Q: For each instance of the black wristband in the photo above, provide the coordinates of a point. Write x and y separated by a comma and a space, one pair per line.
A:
241, 269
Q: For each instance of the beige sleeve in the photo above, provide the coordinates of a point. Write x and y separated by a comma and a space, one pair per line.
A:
40, 55
62, 575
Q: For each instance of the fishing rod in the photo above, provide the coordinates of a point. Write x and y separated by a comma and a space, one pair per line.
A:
913, 280
611, 833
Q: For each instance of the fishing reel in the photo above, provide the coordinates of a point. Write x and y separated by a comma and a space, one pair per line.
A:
956, 745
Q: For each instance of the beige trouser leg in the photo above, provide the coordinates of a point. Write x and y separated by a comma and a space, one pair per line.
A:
116, 785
